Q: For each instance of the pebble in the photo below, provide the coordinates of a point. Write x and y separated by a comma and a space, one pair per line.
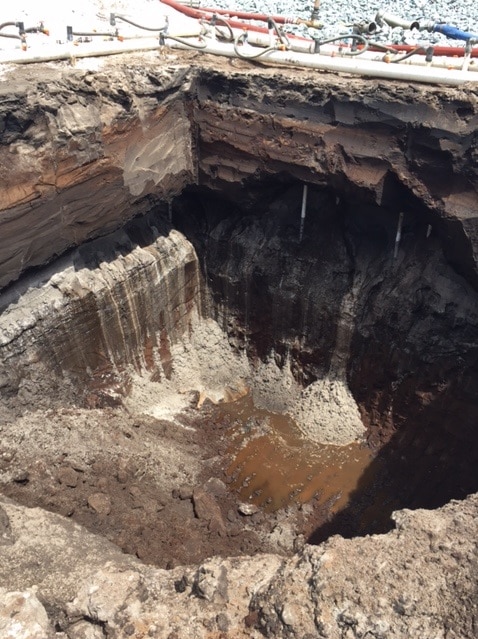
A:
100, 503
248, 509
185, 492
68, 477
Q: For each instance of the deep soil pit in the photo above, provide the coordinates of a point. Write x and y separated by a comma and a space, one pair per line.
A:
334, 306
408, 350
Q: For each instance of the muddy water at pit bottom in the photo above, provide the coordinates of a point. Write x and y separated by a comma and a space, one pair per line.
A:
273, 465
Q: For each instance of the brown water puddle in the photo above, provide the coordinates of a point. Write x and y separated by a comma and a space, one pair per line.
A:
273, 465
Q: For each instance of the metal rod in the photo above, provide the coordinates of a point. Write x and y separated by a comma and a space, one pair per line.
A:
398, 235
302, 212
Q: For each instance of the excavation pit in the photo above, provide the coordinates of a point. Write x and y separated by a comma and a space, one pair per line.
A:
311, 258
196, 305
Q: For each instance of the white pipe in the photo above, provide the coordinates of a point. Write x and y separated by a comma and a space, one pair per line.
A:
302, 212
70, 51
307, 46
355, 66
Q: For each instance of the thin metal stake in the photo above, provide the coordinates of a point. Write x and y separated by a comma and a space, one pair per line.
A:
302, 212
398, 235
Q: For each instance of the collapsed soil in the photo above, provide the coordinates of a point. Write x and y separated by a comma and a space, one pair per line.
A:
176, 491
156, 488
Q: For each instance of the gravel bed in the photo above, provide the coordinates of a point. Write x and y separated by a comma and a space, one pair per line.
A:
337, 15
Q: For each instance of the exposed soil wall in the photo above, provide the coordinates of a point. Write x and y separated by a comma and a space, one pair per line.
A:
172, 191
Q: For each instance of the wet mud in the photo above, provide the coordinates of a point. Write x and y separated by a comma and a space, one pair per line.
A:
273, 465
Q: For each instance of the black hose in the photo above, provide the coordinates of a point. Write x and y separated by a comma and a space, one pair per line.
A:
135, 24
280, 34
409, 54
243, 38
354, 36
229, 28
201, 46
382, 47
9, 35
36, 30
94, 33
392, 50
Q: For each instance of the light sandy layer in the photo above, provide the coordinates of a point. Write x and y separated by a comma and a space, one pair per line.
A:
204, 362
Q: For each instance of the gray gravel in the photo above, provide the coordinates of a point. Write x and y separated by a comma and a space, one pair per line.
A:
336, 15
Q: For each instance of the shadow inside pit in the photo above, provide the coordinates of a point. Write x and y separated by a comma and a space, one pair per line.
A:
417, 468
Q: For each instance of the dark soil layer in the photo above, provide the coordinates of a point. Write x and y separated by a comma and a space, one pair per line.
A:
411, 362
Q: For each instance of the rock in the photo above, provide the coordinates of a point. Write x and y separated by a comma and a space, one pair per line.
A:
68, 477
105, 592
21, 477
211, 583
207, 508
222, 621
6, 534
217, 525
248, 509
215, 486
85, 630
100, 503
122, 475
185, 492
318, 592
22, 616
389, 595
283, 537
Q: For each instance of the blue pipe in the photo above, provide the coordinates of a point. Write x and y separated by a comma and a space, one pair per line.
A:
454, 33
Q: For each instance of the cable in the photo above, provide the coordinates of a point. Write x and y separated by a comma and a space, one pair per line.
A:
113, 17
163, 37
229, 28
409, 54
346, 36
9, 35
240, 40
280, 34
94, 33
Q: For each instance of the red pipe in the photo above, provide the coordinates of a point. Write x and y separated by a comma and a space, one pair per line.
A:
204, 14
249, 16
452, 52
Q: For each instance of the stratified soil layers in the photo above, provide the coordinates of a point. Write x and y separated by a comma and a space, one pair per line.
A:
158, 253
